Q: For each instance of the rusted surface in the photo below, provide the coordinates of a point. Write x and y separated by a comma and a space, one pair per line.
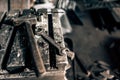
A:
30, 50
34, 49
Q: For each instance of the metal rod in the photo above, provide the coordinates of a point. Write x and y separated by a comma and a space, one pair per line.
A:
2, 17
81, 64
8, 48
35, 50
51, 41
52, 50
9, 5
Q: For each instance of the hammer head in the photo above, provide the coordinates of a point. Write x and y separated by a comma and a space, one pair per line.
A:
32, 19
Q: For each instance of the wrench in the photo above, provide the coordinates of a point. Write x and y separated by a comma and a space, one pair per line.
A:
62, 50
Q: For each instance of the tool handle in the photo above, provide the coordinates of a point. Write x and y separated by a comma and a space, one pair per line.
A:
34, 49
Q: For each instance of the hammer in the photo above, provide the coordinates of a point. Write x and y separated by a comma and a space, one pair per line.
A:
28, 22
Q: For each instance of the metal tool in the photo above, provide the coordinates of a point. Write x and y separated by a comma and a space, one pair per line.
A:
8, 48
24, 55
107, 75
34, 49
62, 50
11, 14
98, 72
27, 22
52, 50
2, 17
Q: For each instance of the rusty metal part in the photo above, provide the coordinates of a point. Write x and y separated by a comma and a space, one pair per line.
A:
34, 49
69, 53
31, 18
13, 14
100, 73
51, 41
107, 75
8, 48
62, 50
102, 63
28, 22
25, 21
2, 17
52, 49
82, 65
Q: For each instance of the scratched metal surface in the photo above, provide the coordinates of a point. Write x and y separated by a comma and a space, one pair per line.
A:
17, 54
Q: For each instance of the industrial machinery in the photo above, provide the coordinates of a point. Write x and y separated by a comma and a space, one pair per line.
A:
32, 45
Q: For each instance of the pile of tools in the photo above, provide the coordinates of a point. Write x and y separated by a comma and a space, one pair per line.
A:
99, 70
32, 44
